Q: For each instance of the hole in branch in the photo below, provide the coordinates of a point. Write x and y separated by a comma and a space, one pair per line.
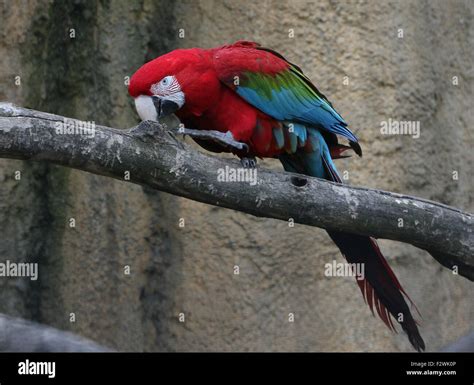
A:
298, 182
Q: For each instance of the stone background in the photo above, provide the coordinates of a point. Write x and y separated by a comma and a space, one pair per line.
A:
190, 269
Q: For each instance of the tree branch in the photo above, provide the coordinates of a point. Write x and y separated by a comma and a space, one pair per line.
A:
169, 165
19, 335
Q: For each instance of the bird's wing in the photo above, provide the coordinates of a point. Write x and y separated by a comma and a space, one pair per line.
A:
277, 87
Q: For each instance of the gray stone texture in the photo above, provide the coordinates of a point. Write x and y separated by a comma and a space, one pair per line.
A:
190, 270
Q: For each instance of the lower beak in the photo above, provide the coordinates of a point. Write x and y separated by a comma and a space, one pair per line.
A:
164, 107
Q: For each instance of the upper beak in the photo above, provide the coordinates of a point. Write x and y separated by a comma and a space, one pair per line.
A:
164, 107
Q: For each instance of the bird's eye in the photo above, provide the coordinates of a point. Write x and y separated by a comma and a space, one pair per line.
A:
166, 81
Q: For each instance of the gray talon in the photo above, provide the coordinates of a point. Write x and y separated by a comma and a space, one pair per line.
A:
248, 162
226, 139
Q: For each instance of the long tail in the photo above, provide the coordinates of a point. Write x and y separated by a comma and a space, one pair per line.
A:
380, 287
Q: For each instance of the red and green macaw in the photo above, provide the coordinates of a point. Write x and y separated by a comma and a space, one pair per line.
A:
251, 101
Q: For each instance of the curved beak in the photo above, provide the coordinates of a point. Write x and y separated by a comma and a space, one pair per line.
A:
164, 107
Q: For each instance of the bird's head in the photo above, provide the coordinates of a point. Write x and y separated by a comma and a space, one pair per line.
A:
168, 83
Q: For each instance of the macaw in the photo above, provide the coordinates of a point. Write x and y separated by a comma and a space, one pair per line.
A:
251, 101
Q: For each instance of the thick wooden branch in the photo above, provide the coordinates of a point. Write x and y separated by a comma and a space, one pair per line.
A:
19, 335
167, 164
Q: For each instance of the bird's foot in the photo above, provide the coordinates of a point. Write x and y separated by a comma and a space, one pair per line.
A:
248, 162
225, 139
146, 129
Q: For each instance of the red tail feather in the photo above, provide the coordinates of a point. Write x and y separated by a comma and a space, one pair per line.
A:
380, 288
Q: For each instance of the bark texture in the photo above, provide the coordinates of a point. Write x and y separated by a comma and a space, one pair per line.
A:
190, 269
152, 156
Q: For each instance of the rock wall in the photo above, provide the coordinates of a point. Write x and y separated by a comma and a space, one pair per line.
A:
375, 60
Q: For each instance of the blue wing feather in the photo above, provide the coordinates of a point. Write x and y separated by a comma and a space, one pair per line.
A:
284, 105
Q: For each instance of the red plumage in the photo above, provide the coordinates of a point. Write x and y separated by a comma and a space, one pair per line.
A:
210, 103
206, 77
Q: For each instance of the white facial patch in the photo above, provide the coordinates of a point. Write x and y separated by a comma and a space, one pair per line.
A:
145, 108
169, 89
